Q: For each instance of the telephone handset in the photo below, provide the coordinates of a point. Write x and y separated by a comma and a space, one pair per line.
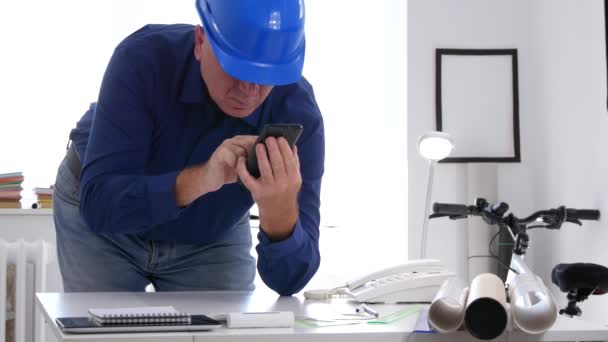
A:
423, 265
414, 281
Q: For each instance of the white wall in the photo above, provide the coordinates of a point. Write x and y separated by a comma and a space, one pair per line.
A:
356, 60
567, 149
452, 24
53, 58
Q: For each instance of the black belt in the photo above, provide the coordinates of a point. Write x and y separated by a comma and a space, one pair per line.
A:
72, 161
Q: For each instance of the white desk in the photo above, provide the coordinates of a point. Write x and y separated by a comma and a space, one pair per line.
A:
76, 304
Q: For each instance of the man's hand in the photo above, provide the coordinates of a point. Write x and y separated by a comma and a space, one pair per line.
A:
220, 169
276, 191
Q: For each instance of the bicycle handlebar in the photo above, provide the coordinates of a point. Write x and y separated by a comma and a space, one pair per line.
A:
451, 209
553, 217
584, 214
495, 214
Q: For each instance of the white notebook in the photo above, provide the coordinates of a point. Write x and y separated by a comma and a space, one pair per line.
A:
139, 315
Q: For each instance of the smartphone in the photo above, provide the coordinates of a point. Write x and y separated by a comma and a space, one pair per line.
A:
291, 132
85, 325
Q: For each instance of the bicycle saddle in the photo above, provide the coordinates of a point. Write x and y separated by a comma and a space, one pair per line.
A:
590, 278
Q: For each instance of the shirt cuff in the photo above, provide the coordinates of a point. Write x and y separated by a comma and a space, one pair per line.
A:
279, 249
162, 203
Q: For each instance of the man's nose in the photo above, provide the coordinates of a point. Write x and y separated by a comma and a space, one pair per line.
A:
249, 89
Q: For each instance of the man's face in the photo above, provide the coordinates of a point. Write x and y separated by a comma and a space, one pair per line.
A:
234, 97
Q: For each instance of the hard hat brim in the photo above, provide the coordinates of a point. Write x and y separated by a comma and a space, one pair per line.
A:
257, 72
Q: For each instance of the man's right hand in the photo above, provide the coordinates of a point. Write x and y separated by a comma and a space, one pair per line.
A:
210, 176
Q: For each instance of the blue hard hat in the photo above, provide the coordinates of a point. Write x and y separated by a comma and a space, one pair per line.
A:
258, 41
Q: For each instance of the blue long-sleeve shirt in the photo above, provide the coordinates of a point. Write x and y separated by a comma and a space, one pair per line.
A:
153, 119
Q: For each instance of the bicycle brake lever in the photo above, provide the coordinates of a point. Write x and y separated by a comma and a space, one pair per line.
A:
557, 221
456, 217
451, 217
573, 220
432, 216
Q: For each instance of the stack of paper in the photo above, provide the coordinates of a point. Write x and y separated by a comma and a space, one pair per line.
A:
10, 189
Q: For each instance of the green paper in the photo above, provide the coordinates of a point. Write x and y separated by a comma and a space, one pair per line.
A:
321, 324
397, 315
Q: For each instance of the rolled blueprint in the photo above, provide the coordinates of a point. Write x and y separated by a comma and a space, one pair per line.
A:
485, 315
446, 313
532, 306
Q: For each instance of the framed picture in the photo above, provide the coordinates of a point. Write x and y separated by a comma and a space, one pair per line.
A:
477, 103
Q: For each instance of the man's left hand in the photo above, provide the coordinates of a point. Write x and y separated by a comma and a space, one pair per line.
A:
276, 191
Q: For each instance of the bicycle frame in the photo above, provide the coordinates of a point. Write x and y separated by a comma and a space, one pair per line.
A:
533, 307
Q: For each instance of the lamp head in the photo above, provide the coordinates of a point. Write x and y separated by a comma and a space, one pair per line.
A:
435, 146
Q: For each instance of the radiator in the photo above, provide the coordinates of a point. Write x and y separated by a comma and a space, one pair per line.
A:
23, 267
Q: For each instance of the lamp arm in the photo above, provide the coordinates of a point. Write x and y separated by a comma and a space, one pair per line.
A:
427, 207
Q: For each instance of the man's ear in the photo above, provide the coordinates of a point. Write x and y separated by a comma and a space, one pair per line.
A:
199, 40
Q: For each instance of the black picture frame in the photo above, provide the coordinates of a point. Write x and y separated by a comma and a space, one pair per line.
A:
440, 55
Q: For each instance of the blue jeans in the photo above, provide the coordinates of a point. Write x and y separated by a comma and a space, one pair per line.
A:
91, 262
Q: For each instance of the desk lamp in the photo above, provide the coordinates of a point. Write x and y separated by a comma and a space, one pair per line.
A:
432, 146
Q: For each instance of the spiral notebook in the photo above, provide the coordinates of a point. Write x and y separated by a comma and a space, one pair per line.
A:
139, 315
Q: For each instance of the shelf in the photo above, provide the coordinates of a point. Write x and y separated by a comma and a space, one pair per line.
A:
26, 212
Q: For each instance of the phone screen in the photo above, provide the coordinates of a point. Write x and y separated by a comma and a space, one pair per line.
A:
291, 132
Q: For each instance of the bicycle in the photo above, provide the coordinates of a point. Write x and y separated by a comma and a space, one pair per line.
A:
579, 280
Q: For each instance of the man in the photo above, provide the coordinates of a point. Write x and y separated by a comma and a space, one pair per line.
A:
147, 191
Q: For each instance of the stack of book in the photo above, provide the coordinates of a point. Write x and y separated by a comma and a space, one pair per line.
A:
44, 197
10, 189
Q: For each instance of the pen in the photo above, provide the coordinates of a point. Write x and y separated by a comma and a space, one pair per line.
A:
368, 310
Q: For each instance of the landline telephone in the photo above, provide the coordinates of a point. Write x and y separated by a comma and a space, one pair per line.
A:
414, 281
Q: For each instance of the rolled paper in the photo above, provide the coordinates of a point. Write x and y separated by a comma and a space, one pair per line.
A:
532, 306
446, 313
485, 315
